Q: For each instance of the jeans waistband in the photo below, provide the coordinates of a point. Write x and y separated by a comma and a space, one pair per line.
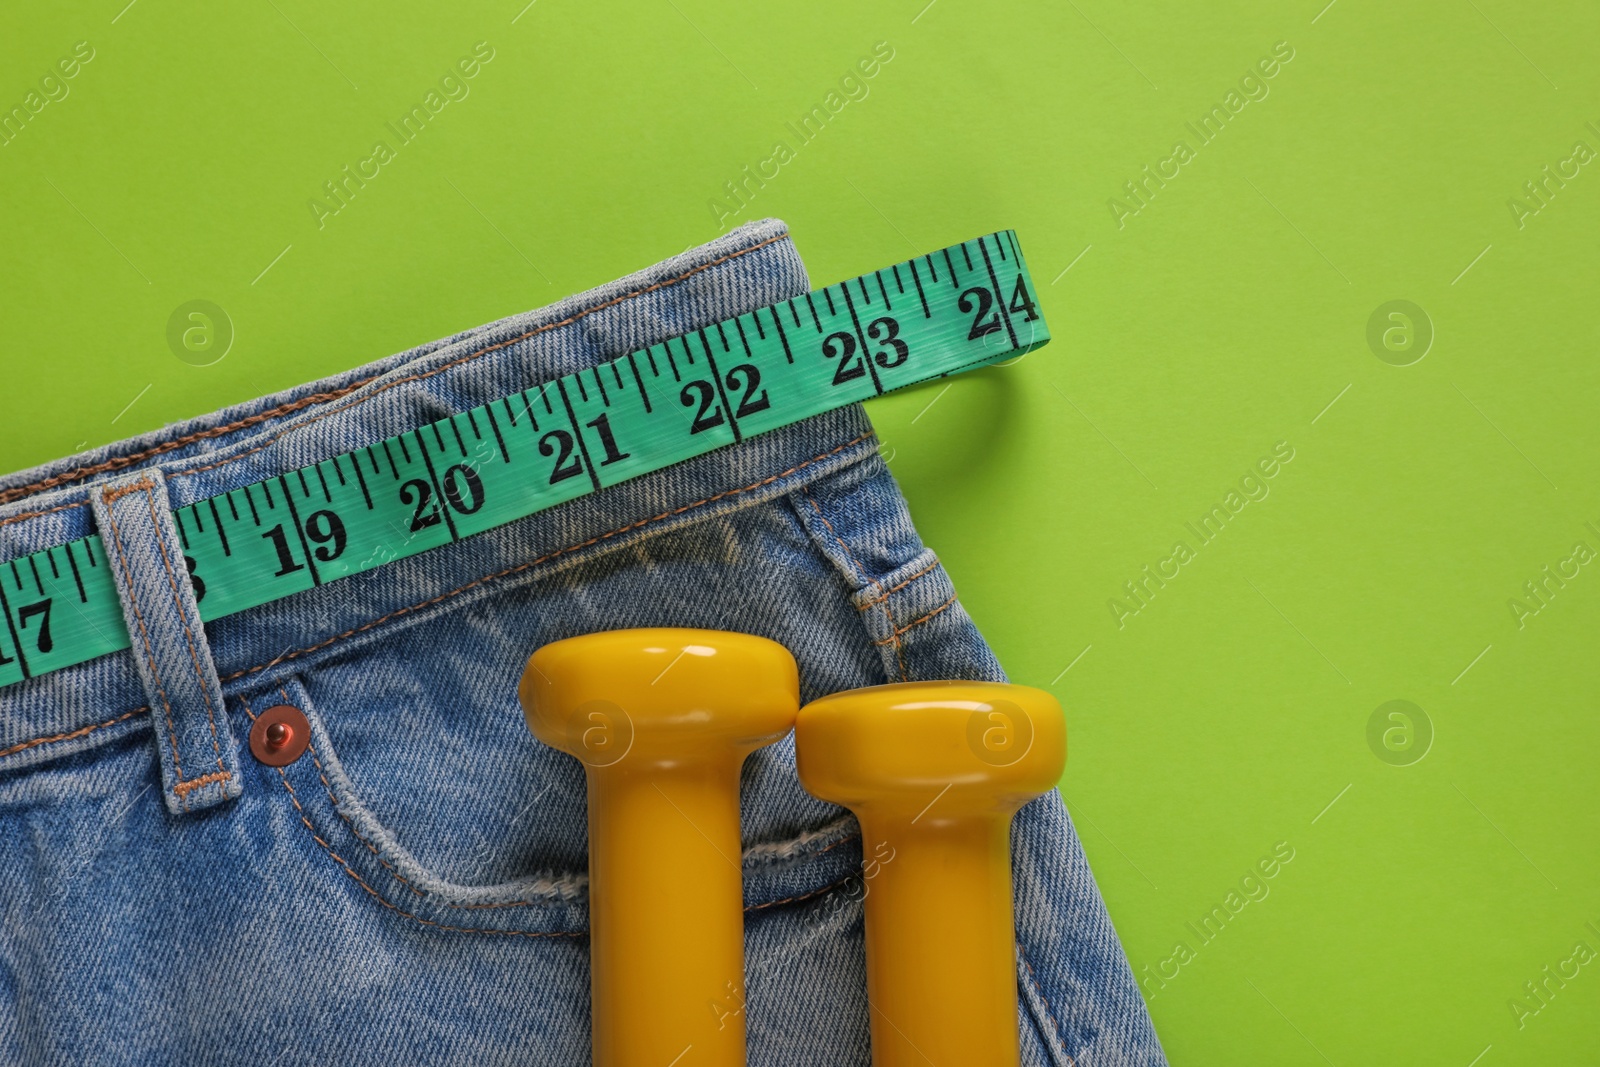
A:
751, 267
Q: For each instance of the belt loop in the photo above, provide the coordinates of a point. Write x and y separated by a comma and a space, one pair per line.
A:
199, 760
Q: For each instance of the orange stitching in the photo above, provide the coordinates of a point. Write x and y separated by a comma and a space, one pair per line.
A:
471, 929
902, 585
334, 800
183, 788
359, 837
370, 848
133, 598
396, 908
460, 929
917, 622
546, 558
389, 867
476, 582
18, 492
118, 462
144, 484
882, 598
72, 733
35, 514
1037, 988
836, 844
830, 887
194, 656
859, 568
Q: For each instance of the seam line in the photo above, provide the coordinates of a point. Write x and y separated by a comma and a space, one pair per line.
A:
71, 734
359, 836
143, 484
47, 511
1055, 1027
918, 621
882, 598
334, 800
895, 589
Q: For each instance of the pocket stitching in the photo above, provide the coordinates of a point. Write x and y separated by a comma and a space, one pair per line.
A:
334, 800
295, 800
882, 598
1055, 1027
359, 836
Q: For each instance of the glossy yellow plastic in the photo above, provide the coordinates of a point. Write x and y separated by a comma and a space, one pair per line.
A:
934, 771
663, 720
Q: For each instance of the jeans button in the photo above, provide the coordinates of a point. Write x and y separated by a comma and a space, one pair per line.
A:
279, 735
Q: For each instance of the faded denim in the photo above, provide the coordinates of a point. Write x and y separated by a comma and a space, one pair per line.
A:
412, 889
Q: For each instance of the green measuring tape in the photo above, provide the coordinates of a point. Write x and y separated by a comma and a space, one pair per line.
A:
959, 308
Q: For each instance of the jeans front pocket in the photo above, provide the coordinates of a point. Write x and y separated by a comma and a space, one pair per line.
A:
363, 931
344, 831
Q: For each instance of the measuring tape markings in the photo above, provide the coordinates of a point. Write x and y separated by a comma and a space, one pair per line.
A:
966, 306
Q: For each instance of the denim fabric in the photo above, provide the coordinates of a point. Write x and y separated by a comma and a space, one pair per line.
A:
412, 889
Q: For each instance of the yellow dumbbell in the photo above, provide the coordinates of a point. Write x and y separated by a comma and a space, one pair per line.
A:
663, 720
934, 771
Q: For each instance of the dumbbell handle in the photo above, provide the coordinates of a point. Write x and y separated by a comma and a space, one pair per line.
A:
941, 949
648, 830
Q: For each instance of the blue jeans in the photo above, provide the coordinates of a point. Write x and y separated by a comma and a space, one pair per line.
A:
412, 889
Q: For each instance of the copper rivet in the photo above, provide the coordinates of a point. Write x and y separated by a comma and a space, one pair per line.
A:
279, 735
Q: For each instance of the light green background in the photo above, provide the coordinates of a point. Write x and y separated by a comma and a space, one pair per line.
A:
1228, 314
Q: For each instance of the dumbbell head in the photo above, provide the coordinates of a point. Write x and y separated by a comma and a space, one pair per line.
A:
645, 694
935, 771
991, 746
662, 720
